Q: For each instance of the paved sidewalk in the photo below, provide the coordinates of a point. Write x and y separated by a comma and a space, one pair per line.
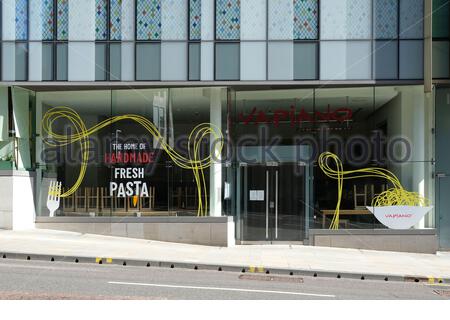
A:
304, 258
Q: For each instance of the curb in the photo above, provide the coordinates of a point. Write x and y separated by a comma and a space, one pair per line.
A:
226, 268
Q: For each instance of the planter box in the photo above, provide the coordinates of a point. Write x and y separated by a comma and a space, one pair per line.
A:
6, 165
412, 240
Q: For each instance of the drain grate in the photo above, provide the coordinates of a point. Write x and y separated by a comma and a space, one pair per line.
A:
442, 293
257, 277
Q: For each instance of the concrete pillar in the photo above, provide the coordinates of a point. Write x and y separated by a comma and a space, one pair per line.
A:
215, 175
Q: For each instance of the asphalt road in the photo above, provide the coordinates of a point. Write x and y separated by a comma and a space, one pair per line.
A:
21, 279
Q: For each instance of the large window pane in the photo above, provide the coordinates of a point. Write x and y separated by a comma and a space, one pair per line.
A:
441, 57
227, 61
194, 61
174, 61
61, 61
411, 59
21, 61
115, 61
305, 61
386, 60
228, 19
100, 61
148, 61
62, 163
8, 64
441, 18
281, 61
47, 61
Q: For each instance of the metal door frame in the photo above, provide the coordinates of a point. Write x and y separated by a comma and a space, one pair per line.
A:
269, 185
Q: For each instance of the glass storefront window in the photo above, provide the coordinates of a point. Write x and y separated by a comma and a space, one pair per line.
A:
268, 174
366, 127
140, 162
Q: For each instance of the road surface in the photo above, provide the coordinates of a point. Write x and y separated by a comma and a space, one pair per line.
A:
22, 279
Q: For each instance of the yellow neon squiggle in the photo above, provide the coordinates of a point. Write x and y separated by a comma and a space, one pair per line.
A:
396, 196
81, 135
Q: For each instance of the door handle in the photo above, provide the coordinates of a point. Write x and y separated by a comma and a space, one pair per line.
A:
440, 175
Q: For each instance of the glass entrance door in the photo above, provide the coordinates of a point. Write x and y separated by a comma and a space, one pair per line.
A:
273, 202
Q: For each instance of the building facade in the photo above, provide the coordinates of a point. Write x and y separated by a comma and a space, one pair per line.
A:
204, 121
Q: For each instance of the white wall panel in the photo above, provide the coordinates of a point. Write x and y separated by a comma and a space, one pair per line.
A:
174, 19
128, 19
207, 61
253, 60
342, 60
281, 60
333, 60
345, 19
281, 20
8, 19
36, 19
208, 19
127, 56
173, 61
35, 61
82, 20
8, 61
81, 61
253, 20
358, 60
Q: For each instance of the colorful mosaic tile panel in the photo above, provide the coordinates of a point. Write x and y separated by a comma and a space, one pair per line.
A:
116, 20
385, 19
305, 19
148, 20
195, 19
47, 19
21, 19
62, 19
228, 16
101, 19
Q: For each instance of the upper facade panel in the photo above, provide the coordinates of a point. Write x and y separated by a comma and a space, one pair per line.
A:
223, 40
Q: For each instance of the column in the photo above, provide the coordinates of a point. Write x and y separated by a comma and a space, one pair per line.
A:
215, 175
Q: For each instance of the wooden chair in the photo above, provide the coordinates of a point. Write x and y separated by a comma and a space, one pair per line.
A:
68, 203
360, 198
